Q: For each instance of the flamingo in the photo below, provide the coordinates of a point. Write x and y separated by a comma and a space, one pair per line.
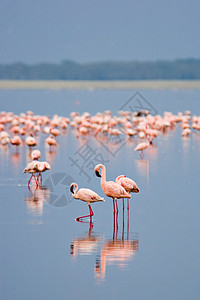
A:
110, 188
30, 169
40, 167
141, 147
16, 141
85, 195
51, 141
36, 154
129, 185
31, 141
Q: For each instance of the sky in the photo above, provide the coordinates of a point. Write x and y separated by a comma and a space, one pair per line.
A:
35, 31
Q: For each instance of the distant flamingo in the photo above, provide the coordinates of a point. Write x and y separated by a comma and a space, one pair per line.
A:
16, 141
55, 132
36, 154
110, 188
31, 141
141, 147
30, 169
51, 141
85, 195
129, 185
40, 167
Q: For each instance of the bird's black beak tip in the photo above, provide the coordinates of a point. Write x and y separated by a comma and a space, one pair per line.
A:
72, 189
97, 173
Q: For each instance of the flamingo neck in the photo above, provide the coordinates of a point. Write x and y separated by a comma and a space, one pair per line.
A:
103, 174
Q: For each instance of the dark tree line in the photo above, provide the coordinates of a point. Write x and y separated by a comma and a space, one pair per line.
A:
108, 70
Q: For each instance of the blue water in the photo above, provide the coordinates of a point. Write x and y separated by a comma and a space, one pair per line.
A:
46, 254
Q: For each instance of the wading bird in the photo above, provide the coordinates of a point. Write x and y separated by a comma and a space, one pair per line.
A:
129, 185
85, 195
110, 188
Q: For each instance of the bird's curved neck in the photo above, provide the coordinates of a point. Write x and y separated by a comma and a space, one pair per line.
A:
103, 174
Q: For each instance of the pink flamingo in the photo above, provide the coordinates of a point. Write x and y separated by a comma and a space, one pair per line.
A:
31, 141
40, 167
85, 195
129, 185
16, 141
51, 141
30, 169
141, 147
110, 188
36, 154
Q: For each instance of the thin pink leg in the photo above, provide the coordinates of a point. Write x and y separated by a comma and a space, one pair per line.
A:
90, 215
127, 203
116, 225
117, 210
123, 225
39, 179
113, 225
36, 180
123, 203
127, 224
113, 205
30, 180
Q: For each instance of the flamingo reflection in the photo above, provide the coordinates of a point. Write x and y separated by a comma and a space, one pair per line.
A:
116, 251
36, 199
85, 245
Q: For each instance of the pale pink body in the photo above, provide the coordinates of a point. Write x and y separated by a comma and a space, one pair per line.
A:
41, 166
110, 188
55, 131
31, 141
142, 146
85, 195
36, 154
16, 140
51, 141
128, 184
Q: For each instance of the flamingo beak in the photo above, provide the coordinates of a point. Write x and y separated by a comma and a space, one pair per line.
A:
97, 173
72, 189
72, 249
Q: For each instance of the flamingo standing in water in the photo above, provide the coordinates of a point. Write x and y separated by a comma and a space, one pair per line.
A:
85, 195
16, 141
111, 188
129, 185
30, 169
40, 167
141, 147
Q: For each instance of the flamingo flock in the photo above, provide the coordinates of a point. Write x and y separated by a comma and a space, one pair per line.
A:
25, 130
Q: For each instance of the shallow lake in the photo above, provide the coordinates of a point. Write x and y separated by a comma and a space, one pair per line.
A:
151, 254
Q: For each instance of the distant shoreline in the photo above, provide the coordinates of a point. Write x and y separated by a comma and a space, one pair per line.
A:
101, 84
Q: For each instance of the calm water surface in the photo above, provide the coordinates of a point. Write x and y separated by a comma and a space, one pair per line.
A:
46, 254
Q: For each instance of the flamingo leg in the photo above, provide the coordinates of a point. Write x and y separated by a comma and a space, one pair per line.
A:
116, 225
127, 225
123, 203
113, 205
90, 215
30, 180
127, 203
117, 210
36, 181
113, 225
123, 225
39, 179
